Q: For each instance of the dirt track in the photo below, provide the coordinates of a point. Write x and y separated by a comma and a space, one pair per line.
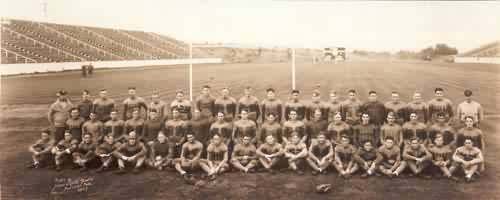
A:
25, 100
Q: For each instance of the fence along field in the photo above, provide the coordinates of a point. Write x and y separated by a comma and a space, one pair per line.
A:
18, 92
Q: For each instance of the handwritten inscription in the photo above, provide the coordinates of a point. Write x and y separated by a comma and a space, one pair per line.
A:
71, 185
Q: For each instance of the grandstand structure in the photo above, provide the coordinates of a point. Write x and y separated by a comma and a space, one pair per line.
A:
488, 50
40, 42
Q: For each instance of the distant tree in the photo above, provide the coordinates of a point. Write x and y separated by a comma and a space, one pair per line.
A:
444, 50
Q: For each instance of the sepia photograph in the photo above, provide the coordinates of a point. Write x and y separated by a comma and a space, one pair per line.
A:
237, 100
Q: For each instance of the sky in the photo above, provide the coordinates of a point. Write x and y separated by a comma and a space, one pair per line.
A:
368, 25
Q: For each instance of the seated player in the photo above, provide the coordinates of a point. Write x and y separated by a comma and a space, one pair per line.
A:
133, 152
473, 133
152, 127
74, 124
244, 156
94, 127
105, 152
217, 157
296, 153
338, 128
316, 125
135, 124
62, 151
389, 158
414, 129
393, 130
161, 154
175, 130
115, 127
416, 157
293, 125
190, 156
344, 157
365, 131
222, 128
320, 154
41, 150
269, 154
365, 157
243, 127
442, 157
270, 127
85, 153
443, 127
469, 158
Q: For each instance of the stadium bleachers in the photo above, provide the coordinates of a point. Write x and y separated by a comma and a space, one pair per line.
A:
42, 42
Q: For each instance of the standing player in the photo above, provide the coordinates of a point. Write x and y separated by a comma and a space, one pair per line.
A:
442, 127
244, 157
389, 158
397, 107
440, 105
84, 155
222, 128
133, 103
161, 154
269, 154
59, 113
334, 106
415, 129
135, 124
205, 103
85, 106
152, 127
351, 108
226, 105
176, 130
115, 127
200, 127
375, 109
105, 152
392, 130
344, 157
133, 152
62, 151
296, 153
470, 108
365, 132
217, 157
190, 156
250, 103
316, 104
271, 105
159, 105
320, 154
183, 106
94, 127
442, 157
243, 127
41, 150
366, 157
74, 124
316, 125
416, 157
338, 128
293, 125
270, 128
295, 105
469, 158
419, 107
103, 106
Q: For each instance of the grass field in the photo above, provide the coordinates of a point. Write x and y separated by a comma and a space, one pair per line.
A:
25, 102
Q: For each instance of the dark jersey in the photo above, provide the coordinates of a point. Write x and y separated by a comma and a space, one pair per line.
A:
102, 108
298, 107
376, 110
85, 107
272, 106
151, 129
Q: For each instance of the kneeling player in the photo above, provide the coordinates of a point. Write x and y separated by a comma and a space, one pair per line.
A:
344, 158
62, 151
296, 153
217, 156
85, 153
365, 157
41, 150
132, 152
190, 156
442, 157
105, 152
389, 158
320, 154
469, 158
269, 153
244, 155
416, 157
161, 154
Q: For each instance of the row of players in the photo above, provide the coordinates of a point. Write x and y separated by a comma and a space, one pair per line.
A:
207, 107
321, 154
